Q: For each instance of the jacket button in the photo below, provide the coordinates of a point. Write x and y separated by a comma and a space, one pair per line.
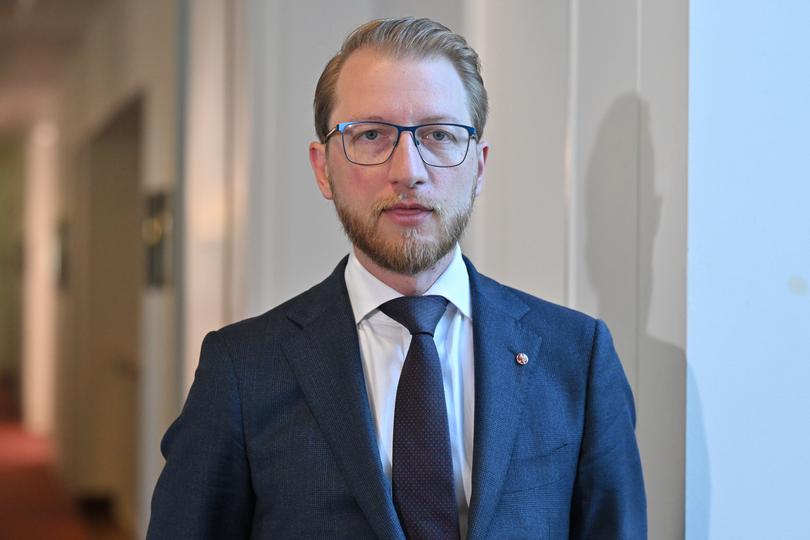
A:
522, 359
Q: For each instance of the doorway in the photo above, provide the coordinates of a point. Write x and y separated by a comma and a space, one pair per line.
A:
102, 394
12, 174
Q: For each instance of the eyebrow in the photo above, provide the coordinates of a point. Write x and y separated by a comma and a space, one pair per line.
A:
424, 120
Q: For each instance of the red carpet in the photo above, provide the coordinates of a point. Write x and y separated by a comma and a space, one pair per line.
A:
33, 504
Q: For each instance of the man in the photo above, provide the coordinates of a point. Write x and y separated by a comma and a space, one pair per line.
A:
407, 395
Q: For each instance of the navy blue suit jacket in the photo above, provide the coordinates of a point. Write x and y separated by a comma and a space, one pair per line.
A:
276, 439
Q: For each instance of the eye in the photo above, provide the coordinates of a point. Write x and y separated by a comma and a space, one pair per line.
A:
439, 136
368, 135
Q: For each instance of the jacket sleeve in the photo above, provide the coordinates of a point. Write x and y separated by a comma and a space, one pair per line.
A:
608, 498
204, 491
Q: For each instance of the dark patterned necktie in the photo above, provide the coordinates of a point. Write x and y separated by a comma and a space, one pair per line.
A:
422, 468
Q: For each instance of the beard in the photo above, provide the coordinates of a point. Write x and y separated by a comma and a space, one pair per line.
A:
411, 252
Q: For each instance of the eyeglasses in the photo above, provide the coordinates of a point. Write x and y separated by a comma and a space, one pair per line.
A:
373, 143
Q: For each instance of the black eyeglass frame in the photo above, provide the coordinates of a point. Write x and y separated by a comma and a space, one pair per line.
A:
340, 128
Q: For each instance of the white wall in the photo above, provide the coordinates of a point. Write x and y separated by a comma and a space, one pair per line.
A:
748, 413
291, 42
519, 231
628, 225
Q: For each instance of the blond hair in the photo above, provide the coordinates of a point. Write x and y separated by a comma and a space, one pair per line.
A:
405, 37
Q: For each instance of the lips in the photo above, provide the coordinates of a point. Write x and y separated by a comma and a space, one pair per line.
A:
409, 206
408, 214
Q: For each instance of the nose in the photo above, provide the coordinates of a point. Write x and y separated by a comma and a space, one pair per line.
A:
406, 166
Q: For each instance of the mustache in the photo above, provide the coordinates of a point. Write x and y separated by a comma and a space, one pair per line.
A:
388, 202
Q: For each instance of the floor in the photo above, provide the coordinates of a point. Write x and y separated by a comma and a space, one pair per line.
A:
33, 503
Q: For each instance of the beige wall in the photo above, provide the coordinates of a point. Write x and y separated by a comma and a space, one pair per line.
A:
39, 279
127, 52
208, 161
629, 215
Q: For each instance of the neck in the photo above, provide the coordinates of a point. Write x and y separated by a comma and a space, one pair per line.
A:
408, 285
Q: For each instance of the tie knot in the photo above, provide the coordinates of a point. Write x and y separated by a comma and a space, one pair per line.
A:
419, 314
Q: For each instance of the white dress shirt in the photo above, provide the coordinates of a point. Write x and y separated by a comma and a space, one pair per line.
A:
383, 345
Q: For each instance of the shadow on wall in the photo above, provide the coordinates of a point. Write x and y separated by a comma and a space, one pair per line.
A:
623, 217
698, 485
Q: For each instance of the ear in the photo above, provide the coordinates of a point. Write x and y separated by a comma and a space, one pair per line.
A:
482, 152
317, 160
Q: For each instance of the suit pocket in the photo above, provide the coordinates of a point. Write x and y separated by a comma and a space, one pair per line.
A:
528, 471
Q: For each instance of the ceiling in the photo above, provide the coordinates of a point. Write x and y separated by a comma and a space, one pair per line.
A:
36, 37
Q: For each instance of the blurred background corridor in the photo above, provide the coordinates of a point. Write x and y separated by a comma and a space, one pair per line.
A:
75, 234
154, 185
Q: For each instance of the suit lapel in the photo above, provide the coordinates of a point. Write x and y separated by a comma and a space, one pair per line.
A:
325, 358
500, 385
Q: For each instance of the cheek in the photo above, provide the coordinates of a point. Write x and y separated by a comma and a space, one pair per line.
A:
459, 188
355, 190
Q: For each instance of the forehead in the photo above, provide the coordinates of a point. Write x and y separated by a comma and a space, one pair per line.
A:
376, 85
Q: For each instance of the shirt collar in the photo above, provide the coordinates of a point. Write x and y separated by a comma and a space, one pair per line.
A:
367, 293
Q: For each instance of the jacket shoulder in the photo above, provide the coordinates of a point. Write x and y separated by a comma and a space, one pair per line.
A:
288, 317
541, 314
549, 313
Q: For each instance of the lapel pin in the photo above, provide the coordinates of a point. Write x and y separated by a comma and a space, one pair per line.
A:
522, 359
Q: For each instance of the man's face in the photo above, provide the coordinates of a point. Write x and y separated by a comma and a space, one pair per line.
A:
403, 214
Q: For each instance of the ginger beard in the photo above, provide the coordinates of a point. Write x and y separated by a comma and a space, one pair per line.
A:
412, 252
